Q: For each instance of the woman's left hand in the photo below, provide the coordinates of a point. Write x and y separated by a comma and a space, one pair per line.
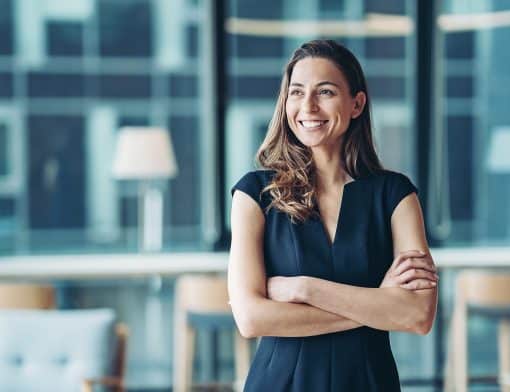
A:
285, 289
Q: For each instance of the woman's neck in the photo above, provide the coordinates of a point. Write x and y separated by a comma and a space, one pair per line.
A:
329, 169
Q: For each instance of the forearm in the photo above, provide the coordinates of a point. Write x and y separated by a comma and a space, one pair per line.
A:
381, 308
264, 317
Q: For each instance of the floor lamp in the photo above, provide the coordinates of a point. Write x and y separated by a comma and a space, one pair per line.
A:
146, 155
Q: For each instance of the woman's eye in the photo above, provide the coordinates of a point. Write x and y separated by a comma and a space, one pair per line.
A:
326, 92
295, 92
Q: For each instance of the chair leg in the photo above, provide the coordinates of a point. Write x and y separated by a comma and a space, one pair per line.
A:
460, 352
448, 370
504, 355
242, 359
179, 366
184, 346
86, 386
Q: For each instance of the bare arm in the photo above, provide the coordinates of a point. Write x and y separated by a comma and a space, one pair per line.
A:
387, 308
255, 314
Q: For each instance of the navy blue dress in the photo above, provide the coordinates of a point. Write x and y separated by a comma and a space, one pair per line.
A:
362, 251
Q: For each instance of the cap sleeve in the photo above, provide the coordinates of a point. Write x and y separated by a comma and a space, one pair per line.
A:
398, 186
252, 184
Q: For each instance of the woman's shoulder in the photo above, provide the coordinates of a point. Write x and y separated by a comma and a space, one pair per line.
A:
388, 179
391, 187
259, 178
253, 183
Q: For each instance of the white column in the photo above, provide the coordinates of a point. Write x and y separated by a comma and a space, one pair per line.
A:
103, 220
209, 211
169, 33
30, 32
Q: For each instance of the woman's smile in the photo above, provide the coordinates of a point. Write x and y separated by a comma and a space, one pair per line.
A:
312, 125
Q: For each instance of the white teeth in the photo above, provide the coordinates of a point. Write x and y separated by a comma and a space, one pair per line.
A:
312, 124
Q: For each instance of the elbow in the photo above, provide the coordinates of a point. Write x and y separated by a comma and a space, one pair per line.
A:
247, 328
246, 321
423, 327
424, 322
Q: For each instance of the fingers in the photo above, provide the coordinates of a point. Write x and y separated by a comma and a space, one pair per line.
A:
407, 254
422, 263
419, 284
416, 274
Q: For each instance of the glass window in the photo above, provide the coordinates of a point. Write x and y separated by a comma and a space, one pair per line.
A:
470, 178
124, 86
182, 86
255, 87
6, 84
192, 33
185, 190
60, 152
256, 47
4, 158
6, 28
385, 47
43, 84
64, 38
125, 28
471, 190
57, 173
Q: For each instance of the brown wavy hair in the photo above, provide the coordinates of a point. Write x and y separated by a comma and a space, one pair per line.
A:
293, 186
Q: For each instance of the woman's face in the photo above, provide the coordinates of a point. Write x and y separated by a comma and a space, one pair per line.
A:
319, 105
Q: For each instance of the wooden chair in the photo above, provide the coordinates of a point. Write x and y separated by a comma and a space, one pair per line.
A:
203, 298
487, 294
116, 381
26, 296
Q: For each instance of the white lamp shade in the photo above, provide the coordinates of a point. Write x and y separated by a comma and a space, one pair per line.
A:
499, 151
143, 153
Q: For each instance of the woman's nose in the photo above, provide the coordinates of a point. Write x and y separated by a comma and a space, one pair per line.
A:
309, 104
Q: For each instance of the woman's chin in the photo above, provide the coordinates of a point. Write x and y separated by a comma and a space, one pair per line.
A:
312, 141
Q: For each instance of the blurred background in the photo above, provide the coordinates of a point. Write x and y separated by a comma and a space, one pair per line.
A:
202, 77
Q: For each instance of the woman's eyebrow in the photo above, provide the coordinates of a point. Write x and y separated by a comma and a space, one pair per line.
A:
317, 85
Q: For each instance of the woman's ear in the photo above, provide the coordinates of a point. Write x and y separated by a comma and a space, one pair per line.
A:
359, 104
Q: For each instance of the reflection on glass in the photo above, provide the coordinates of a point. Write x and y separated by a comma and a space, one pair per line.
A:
473, 72
90, 67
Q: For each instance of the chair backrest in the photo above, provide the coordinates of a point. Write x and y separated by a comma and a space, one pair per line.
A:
26, 296
484, 288
50, 350
200, 293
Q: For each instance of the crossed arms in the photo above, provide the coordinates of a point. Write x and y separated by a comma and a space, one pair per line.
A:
306, 306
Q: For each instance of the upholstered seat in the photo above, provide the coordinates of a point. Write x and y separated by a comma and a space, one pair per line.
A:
51, 350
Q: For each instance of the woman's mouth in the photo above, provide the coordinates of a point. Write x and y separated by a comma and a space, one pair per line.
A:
312, 125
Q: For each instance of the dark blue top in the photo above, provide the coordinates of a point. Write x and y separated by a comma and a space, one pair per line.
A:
362, 251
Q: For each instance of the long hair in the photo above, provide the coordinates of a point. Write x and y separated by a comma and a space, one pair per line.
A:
293, 186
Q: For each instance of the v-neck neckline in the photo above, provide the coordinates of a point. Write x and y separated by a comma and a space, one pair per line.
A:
331, 241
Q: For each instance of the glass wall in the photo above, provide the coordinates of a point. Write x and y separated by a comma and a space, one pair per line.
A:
470, 181
80, 72
470, 185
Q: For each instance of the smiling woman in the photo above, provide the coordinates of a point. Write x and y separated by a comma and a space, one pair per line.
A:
328, 249
319, 105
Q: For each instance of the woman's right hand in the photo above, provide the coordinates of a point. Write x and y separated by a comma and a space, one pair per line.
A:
411, 270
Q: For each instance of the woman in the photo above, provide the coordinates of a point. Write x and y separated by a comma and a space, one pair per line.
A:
328, 249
